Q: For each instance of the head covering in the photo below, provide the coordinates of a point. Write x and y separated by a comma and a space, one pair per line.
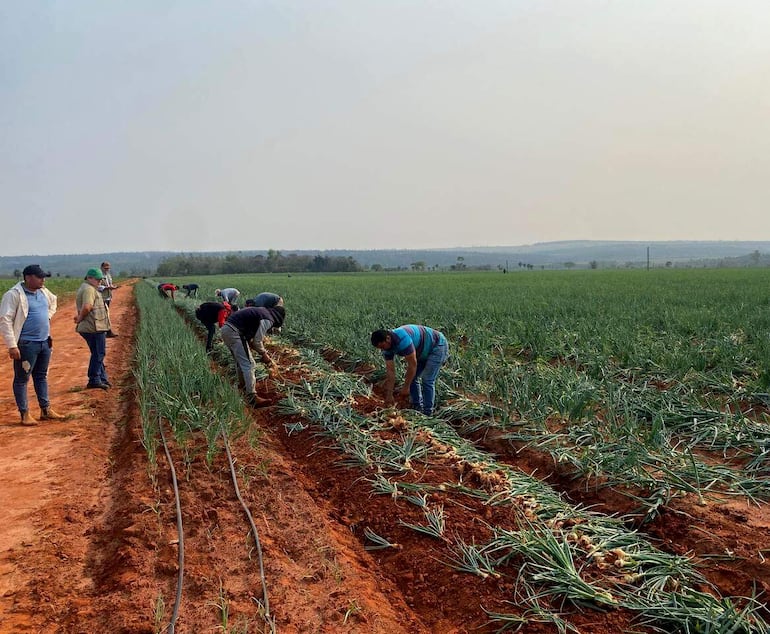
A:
36, 270
278, 314
95, 273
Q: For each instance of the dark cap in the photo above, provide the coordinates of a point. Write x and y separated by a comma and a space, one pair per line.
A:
36, 270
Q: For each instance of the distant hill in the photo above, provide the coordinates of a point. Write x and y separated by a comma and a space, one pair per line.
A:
580, 253
549, 255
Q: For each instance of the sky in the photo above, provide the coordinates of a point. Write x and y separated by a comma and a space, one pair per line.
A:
146, 125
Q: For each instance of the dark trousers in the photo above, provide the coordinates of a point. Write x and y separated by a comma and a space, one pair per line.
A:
211, 330
97, 344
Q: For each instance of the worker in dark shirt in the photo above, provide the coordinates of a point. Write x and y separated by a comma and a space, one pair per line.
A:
266, 300
243, 330
211, 314
191, 290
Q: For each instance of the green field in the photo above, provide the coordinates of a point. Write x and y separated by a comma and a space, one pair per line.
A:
648, 354
661, 324
651, 384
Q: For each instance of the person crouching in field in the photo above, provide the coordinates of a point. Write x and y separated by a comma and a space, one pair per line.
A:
242, 330
191, 290
229, 295
210, 314
167, 290
425, 350
267, 300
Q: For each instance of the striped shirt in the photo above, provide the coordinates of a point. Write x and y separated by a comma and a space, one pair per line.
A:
412, 338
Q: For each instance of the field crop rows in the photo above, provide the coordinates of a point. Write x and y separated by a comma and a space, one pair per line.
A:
668, 367
649, 385
176, 388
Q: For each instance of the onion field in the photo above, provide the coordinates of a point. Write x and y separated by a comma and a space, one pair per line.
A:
599, 460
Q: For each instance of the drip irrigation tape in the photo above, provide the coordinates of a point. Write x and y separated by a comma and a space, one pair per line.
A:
179, 530
268, 619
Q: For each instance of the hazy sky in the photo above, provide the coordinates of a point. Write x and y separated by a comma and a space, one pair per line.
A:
133, 125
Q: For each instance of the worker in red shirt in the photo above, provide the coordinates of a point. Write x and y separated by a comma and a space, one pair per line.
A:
166, 290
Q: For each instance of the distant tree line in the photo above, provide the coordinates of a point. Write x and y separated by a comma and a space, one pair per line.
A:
273, 262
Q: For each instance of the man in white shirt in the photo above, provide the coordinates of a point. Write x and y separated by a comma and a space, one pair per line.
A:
25, 326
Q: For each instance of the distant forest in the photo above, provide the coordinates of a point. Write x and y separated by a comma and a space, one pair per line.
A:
273, 262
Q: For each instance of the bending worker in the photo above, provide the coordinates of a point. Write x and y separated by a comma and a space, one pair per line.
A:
229, 295
191, 289
210, 314
268, 300
425, 350
167, 290
244, 329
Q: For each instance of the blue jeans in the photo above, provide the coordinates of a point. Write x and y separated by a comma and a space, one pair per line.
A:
423, 387
35, 356
97, 344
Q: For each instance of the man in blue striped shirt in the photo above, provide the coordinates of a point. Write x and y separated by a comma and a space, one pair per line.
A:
425, 350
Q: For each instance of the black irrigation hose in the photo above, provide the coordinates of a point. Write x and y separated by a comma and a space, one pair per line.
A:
253, 528
179, 530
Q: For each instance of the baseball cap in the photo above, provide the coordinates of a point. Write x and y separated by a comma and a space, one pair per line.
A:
95, 273
36, 270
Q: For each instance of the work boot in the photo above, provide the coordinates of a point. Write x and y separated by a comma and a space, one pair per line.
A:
48, 413
256, 401
26, 419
